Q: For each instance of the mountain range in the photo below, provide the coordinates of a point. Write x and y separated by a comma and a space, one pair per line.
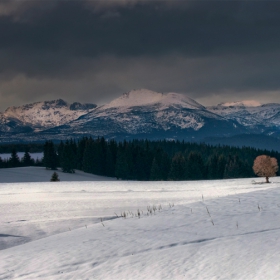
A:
141, 114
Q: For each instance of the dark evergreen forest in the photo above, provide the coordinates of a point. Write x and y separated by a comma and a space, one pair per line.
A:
152, 160
141, 159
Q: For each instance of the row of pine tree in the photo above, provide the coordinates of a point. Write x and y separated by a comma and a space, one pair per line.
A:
152, 160
15, 161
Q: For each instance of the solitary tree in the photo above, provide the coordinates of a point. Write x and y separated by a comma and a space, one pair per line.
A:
265, 166
54, 177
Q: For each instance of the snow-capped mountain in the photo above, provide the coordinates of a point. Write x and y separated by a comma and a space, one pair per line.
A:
12, 125
144, 97
139, 114
42, 115
148, 114
249, 113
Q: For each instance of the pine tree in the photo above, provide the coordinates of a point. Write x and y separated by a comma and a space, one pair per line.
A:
88, 156
54, 177
101, 155
27, 160
50, 157
141, 166
234, 168
80, 152
14, 159
164, 165
98, 156
178, 168
155, 171
110, 159
195, 167
60, 152
68, 158
122, 167
213, 167
221, 165
74, 150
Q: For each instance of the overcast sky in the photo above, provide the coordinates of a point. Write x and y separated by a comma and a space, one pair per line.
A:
93, 51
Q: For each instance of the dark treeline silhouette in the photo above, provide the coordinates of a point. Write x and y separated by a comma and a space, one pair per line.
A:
152, 160
21, 147
15, 161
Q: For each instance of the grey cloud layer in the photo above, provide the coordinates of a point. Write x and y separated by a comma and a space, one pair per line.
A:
201, 48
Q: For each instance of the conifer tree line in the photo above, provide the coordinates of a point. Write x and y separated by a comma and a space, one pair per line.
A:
15, 161
152, 160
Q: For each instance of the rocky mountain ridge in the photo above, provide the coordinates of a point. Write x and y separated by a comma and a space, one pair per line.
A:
139, 114
42, 115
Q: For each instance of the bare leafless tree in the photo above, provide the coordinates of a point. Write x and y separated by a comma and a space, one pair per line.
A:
265, 166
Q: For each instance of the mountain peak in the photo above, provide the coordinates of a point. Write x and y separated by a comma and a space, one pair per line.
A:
133, 98
144, 97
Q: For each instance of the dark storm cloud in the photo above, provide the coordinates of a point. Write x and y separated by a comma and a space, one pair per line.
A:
201, 28
106, 47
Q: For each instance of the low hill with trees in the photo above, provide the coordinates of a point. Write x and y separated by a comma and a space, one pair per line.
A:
152, 160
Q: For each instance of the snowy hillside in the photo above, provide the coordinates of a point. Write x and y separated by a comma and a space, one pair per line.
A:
145, 97
47, 114
144, 113
140, 114
249, 113
40, 174
244, 103
12, 125
135, 109
198, 230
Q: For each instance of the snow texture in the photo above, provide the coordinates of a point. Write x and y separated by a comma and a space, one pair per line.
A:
249, 114
205, 230
47, 114
40, 174
138, 113
143, 111
244, 103
144, 97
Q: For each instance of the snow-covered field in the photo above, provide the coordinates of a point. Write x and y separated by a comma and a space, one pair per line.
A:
216, 230
40, 174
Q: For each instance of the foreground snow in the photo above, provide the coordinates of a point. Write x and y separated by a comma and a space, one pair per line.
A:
215, 230
40, 174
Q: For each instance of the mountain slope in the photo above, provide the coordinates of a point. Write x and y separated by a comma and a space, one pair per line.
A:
147, 114
144, 97
42, 115
140, 114
249, 113
13, 125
